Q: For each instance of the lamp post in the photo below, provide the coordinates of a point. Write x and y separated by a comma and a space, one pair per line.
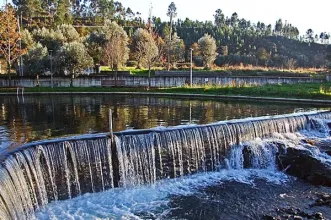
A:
50, 57
191, 78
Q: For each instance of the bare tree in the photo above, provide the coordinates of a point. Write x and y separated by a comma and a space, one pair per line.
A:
290, 63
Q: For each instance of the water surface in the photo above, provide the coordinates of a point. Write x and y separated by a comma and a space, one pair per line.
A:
42, 117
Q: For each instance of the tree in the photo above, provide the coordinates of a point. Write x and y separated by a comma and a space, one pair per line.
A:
279, 27
28, 8
172, 13
263, 55
290, 63
234, 19
69, 33
161, 49
140, 35
95, 43
51, 39
36, 60
63, 14
219, 17
116, 51
196, 49
324, 37
207, 45
145, 49
224, 50
177, 47
73, 58
310, 36
9, 37
27, 39
328, 56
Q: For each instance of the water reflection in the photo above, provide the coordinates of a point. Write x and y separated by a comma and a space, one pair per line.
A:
42, 117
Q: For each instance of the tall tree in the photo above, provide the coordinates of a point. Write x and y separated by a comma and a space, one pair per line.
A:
145, 49
279, 27
177, 49
219, 17
116, 51
36, 60
172, 13
73, 58
63, 14
234, 19
310, 36
207, 45
28, 8
95, 43
9, 37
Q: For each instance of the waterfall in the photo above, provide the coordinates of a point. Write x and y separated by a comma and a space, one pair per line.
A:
33, 177
38, 173
172, 153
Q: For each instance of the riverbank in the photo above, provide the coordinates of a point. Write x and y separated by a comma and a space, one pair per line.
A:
307, 92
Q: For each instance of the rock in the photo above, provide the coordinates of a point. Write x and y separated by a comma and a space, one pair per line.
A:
322, 200
329, 125
296, 217
300, 162
318, 215
269, 217
247, 155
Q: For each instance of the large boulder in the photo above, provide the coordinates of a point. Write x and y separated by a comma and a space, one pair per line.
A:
300, 162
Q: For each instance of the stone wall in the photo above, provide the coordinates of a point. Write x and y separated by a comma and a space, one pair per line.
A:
164, 81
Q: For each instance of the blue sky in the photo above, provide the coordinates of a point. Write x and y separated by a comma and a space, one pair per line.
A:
303, 14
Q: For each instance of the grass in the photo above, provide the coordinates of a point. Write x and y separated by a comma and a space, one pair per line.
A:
301, 91
238, 70
133, 70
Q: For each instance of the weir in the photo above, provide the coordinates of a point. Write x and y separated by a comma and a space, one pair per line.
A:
40, 172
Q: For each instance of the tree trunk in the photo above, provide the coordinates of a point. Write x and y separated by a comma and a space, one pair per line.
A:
116, 71
149, 76
8, 71
169, 49
72, 80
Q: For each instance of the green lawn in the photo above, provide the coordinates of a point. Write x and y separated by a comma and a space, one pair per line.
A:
133, 71
233, 71
303, 91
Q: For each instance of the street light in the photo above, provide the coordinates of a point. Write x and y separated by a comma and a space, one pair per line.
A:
50, 57
191, 78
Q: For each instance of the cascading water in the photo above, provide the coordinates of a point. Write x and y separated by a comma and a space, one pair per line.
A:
37, 174
40, 174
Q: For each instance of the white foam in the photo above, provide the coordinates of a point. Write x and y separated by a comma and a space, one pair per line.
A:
123, 203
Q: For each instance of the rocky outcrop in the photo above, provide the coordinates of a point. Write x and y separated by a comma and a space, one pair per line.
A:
302, 163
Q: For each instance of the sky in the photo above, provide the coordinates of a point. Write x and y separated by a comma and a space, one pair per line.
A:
303, 14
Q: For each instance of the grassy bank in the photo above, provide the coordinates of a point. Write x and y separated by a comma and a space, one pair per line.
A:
234, 71
301, 91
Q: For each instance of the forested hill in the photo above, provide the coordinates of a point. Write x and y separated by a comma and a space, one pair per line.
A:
240, 42
63, 30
